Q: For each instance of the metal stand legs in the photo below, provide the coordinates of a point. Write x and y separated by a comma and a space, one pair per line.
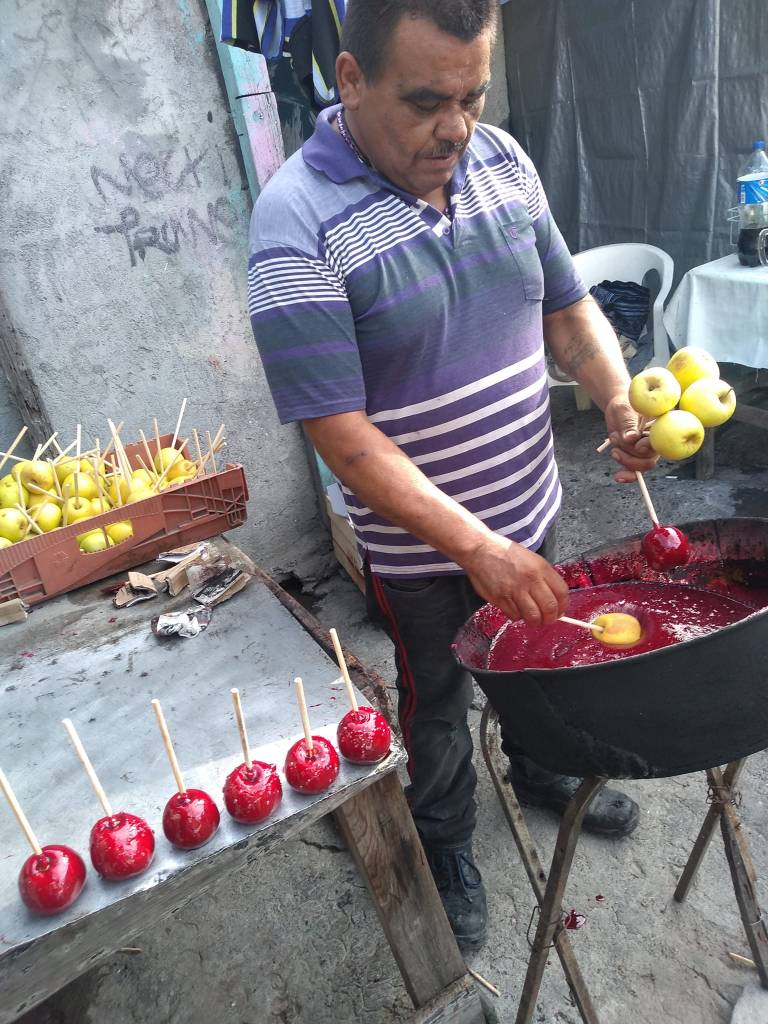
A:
549, 891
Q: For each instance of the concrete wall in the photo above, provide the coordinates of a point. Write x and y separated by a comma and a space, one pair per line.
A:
124, 241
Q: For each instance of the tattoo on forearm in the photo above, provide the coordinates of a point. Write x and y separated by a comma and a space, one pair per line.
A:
579, 350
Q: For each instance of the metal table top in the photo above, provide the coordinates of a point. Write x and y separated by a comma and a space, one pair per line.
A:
78, 656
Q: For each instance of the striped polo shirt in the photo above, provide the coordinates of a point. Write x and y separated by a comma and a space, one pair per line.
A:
363, 297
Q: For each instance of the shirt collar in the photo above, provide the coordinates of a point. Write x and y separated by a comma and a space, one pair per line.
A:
327, 152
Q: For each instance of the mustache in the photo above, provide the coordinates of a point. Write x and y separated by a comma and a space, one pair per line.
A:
447, 149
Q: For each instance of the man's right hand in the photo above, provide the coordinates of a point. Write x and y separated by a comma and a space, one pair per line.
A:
520, 582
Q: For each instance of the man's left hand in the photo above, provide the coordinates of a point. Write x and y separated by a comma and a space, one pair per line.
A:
631, 450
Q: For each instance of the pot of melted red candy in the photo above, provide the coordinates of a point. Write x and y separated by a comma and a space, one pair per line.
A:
53, 876
673, 683
311, 764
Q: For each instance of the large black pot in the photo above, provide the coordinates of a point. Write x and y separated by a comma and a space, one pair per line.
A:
681, 709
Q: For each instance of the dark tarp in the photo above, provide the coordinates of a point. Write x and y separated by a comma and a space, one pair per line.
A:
639, 114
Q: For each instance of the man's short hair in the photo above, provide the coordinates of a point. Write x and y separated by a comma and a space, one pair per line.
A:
370, 24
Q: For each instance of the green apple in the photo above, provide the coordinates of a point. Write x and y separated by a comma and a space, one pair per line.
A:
34, 472
47, 516
712, 401
86, 486
12, 492
676, 435
94, 540
13, 525
654, 391
75, 510
690, 363
118, 532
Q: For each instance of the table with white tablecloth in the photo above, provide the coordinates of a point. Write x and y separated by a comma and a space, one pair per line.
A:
723, 307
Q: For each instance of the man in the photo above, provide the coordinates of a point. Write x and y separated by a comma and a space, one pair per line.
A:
405, 272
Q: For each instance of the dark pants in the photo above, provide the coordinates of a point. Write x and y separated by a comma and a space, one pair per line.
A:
422, 617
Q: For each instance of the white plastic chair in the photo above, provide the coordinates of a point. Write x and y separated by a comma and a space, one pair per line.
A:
628, 261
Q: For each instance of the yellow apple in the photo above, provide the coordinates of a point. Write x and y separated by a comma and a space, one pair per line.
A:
86, 486
143, 475
13, 524
654, 391
690, 363
712, 401
676, 435
47, 516
182, 468
12, 492
619, 629
94, 540
37, 498
66, 468
75, 510
166, 457
34, 472
177, 480
139, 490
119, 485
5, 543
99, 505
118, 532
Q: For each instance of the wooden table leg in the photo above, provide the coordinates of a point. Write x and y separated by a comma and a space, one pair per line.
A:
378, 829
705, 457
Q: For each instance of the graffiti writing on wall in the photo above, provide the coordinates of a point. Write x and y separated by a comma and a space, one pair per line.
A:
154, 201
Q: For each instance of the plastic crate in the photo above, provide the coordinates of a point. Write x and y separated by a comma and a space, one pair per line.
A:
41, 567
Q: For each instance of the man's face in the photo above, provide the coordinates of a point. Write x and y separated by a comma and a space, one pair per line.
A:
415, 121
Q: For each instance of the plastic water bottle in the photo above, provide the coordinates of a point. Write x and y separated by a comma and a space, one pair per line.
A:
753, 209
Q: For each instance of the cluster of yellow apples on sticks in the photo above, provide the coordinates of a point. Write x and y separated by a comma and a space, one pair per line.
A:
52, 491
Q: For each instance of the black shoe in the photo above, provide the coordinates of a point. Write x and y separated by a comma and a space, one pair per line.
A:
461, 889
611, 813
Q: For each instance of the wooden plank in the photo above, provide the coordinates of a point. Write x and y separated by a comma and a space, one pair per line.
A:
24, 389
458, 1004
402, 889
253, 106
349, 567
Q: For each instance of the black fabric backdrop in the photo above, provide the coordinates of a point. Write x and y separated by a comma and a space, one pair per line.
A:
639, 114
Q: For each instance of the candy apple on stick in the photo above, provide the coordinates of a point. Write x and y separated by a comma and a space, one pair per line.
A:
253, 789
190, 817
312, 764
363, 734
53, 877
122, 844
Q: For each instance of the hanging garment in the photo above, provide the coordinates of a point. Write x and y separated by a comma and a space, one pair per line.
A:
307, 30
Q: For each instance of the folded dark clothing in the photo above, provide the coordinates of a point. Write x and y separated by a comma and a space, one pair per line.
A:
625, 304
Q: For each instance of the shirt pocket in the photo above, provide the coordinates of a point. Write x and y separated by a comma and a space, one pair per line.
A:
520, 236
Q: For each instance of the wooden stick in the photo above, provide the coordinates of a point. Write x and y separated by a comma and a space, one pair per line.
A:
13, 458
41, 490
483, 981
178, 424
85, 761
122, 458
148, 454
21, 817
604, 446
743, 960
169, 746
63, 452
116, 477
240, 719
199, 451
14, 445
151, 472
56, 481
647, 498
344, 670
109, 446
210, 448
157, 434
30, 520
580, 622
218, 436
47, 444
303, 712
170, 465
102, 498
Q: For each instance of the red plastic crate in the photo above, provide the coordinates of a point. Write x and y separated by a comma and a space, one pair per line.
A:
43, 566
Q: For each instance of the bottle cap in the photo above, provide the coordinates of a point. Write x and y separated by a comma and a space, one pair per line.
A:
758, 145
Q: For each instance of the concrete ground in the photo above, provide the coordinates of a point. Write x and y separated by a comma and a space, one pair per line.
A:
297, 940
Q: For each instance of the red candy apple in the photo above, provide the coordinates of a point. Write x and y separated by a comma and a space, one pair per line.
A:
665, 547
251, 794
364, 736
311, 771
122, 845
52, 880
190, 819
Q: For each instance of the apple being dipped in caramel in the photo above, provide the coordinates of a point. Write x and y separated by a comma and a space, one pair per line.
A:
51, 880
122, 845
252, 792
364, 736
311, 770
190, 819
665, 548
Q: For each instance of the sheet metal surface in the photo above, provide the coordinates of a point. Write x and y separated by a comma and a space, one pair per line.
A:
68, 659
